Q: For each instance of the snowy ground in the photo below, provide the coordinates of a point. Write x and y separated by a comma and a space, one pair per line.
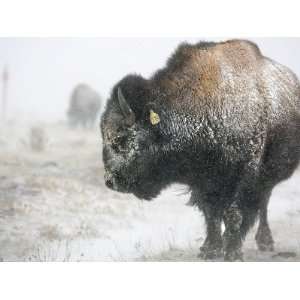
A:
54, 207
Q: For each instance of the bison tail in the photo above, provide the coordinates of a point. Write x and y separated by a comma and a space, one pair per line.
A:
250, 216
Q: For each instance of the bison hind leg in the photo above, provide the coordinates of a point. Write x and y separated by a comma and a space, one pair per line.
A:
263, 237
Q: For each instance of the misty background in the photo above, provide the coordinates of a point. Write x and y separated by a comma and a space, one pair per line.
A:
43, 71
54, 205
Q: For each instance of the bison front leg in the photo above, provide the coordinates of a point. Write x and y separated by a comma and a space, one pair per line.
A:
232, 238
212, 247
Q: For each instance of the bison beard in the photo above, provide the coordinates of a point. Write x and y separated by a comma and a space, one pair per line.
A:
220, 118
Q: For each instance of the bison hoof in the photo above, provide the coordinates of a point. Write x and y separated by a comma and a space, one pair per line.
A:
265, 246
236, 255
264, 240
210, 252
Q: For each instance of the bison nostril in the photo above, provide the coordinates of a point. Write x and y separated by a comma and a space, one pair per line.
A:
108, 178
109, 183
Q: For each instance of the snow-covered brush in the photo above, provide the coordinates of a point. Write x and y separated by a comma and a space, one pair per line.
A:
38, 139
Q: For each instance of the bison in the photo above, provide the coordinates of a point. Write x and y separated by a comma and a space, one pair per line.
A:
84, 106
220, 118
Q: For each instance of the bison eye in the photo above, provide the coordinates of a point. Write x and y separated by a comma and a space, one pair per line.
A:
119, 143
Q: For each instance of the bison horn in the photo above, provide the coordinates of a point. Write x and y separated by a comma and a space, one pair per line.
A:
125, 108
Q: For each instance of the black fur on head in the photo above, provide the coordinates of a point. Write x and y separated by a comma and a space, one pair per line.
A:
132, 153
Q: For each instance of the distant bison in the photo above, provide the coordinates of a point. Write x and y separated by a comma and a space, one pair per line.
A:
84, 106
220, 118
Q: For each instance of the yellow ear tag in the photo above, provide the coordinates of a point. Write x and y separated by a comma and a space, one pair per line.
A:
154, 117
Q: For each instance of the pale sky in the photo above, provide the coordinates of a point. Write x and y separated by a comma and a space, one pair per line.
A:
43, 71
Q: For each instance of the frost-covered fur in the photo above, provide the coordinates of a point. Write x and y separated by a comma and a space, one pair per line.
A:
229, 129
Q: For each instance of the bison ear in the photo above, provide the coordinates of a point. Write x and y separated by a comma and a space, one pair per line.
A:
125, 108
154, 117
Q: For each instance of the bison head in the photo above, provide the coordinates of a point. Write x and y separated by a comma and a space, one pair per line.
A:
132, 134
